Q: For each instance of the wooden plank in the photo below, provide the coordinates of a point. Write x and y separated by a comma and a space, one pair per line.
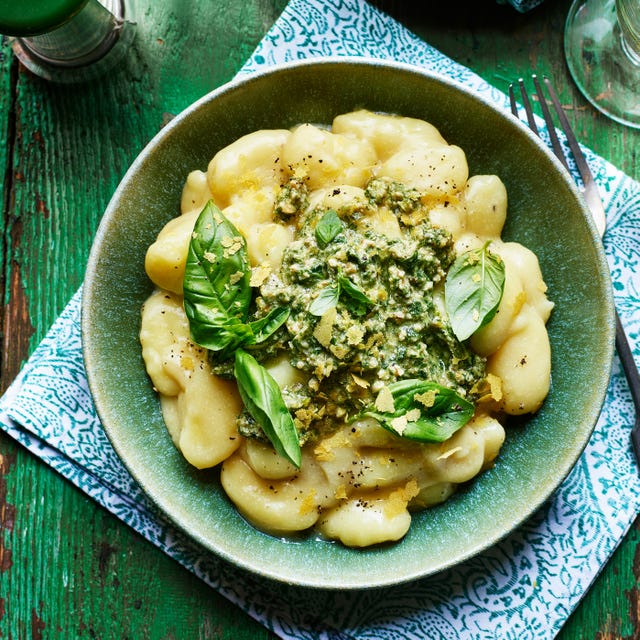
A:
67, 567
610, 610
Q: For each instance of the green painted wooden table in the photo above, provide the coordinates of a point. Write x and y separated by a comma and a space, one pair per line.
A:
68, 569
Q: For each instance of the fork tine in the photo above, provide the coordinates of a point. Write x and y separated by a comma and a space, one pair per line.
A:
555, 143
512, 101
578, 156
591, 193
590, 190
527, 107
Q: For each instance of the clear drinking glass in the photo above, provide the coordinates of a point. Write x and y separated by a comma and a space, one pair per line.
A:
67, 40
602, 47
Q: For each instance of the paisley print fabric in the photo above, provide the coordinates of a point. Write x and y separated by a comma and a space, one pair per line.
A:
524, 587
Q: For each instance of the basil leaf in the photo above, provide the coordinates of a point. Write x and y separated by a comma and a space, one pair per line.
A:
267, 326
217, 295
263, 399
328, 227
422, 410
327, 298
473, 290
227, 337
354, 298
216, 285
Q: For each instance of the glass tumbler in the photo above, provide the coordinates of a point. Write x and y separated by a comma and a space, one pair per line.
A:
602, 47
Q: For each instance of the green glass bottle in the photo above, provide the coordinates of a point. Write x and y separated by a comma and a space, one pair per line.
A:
32, 17
67, 40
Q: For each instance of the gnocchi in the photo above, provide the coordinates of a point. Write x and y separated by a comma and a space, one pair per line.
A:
358, 482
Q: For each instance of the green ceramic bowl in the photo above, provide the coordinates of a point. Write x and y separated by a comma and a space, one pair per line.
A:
546, 213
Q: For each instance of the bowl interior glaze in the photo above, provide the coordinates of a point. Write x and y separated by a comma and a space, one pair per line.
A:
545, 213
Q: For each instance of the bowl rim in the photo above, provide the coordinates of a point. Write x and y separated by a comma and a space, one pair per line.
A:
241, 80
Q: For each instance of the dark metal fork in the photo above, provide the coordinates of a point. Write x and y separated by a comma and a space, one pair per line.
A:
594, 202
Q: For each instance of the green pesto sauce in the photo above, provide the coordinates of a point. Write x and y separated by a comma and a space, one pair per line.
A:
402, 334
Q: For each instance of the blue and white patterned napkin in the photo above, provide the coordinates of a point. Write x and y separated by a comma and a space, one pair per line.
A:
524, 587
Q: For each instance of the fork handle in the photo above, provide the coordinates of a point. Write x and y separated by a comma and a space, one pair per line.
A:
628, 363
633, 379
